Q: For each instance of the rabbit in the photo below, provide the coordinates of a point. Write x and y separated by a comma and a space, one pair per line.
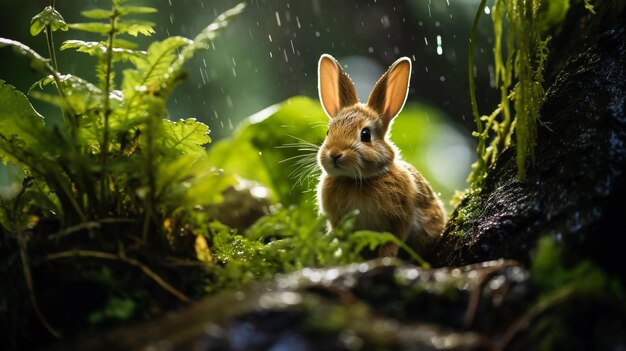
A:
362, 169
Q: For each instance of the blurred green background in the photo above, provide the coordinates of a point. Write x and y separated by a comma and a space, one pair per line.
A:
270, 53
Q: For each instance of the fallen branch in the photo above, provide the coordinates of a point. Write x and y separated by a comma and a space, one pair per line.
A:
131, 261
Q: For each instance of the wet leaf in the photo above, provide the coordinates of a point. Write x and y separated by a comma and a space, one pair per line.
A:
186, 136
19, 122
38, 62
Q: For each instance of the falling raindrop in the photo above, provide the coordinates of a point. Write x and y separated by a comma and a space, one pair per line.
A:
385, 21
298, 22
202, 75
439, 48
277, 18
487, 10
370, 50
317, 34
270, 36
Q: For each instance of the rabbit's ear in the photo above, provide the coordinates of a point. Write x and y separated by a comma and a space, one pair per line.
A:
390, 92
335, 87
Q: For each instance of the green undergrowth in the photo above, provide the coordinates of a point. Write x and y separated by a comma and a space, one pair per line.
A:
570, 298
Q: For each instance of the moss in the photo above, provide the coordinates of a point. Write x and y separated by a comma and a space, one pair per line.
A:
519, 76
470, 205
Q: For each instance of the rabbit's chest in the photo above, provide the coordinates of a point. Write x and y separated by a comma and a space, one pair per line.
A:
380, 207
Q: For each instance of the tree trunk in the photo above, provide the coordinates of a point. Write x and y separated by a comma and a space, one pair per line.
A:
576, 190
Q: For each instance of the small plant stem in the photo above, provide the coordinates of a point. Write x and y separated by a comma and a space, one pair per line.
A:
53, 58
107, 112
55, 65
470, 74
151, 177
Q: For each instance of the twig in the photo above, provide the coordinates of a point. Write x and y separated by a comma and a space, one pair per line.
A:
524, 321
472, 305
131, 261
88, 225
30, 286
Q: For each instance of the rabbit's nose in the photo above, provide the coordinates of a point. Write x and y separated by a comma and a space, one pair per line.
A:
335, 157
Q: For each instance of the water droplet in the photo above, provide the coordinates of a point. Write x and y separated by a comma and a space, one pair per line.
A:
277, 18
487, 10
317, 34
370, 50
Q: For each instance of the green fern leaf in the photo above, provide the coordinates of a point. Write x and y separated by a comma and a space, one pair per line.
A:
80, 95
92, 27
135, 27
204, 39
152, 70
99, 49
97, 14
135, 10
48, 17
186, 136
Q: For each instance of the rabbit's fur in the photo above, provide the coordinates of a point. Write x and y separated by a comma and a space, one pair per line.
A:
361, 167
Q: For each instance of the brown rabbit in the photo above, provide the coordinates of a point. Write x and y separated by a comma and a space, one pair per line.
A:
361, 167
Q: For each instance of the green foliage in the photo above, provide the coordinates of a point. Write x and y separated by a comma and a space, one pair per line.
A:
559, 283
114, 158
116, 308
287, 240
551, 274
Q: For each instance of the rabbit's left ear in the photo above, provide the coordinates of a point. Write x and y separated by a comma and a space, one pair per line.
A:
390, 92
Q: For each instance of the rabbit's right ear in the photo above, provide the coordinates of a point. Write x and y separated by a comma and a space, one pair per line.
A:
335, 87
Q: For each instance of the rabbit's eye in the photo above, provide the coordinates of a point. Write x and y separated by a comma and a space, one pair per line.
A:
366, 135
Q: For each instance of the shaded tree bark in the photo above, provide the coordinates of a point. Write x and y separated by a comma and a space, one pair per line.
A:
576, 190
